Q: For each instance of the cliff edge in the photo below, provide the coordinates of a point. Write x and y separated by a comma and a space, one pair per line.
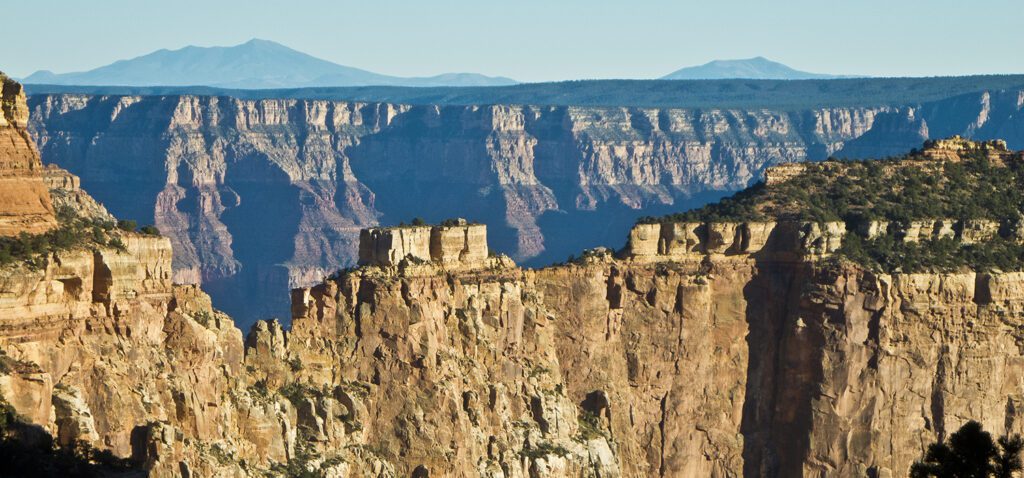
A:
24, 203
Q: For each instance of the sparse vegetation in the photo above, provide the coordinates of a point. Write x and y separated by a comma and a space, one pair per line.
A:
302, 464
359, 389
888, 254
9, 364
538, 370
297, 392
118, 244
451, 222
127, 225
73, 231
203, 317
894, 190
889, 189
544, 449
589, 426
260, 393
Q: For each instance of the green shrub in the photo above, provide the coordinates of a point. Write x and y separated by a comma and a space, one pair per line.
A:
888, 254
589, 426
72, 231
118, 244
544, 449
127, 225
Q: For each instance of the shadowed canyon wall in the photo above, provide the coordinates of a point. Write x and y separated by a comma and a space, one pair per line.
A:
260, 195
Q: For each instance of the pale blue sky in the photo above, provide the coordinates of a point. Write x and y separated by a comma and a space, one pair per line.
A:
535, 40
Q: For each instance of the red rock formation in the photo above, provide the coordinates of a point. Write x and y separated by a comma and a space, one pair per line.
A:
24, 201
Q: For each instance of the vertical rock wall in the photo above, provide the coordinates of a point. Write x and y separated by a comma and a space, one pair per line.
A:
24, 203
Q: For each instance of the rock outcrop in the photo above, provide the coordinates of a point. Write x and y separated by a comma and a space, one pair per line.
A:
955, 148
731, 365
457, 244
688, 241
260, 195
24, 203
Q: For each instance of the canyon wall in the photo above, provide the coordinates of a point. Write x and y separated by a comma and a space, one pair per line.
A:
24, 203
766, 361
718, 349
715, 349
260, 195
726, 363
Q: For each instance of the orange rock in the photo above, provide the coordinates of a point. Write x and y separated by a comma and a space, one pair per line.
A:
25, 204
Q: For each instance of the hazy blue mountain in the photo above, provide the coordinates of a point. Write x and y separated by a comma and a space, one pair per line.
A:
759, 68
251, 65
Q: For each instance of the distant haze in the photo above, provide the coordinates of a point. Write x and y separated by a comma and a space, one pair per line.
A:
535, 40
263, 64
254, 64
758, 68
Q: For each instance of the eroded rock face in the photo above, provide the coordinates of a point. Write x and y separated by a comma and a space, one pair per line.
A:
736, 364
24, 202
455, 245
258, 196
390, 246
473, 358
725, 367
694, 241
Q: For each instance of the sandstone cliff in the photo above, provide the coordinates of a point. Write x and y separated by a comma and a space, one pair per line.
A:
24, 204
259, 195
723, 365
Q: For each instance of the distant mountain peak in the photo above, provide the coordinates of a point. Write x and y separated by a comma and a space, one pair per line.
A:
758, 67
262, 43
256, 64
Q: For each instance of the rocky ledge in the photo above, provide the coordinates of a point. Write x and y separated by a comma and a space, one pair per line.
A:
452, 245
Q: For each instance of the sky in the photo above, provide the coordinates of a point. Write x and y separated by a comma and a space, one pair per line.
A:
535, 40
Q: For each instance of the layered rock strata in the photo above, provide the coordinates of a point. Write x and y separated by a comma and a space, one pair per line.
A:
453, 245
24, 203
689, 241
753, 363
736, 364
260, 195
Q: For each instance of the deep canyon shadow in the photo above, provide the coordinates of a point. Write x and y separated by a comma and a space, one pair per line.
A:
263, 228
784, 370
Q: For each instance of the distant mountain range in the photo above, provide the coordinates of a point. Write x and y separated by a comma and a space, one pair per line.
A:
263, 64
255, 64
759, 68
